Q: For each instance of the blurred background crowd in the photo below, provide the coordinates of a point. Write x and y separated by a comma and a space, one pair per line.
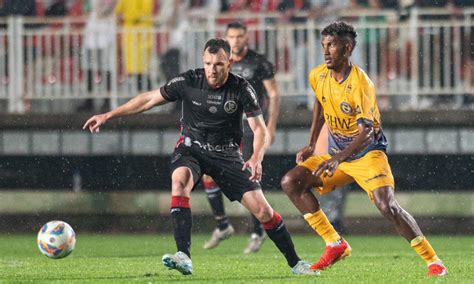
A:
98, 53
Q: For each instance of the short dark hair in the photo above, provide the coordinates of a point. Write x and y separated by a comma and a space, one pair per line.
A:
341, 29
215, 44
237, 25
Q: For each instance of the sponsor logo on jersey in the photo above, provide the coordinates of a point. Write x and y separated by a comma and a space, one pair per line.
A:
230, 106
337, 122
213, 109
175, 158
357, 111
349, 88
187, 141
177, 79
376, 177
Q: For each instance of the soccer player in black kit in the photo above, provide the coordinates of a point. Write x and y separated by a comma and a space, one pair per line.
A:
259, 72
213, 103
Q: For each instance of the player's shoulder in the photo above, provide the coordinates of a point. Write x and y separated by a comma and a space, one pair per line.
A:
319, 72
194, 74
236, 80
240, 84
190, 77
254, 56
361, 77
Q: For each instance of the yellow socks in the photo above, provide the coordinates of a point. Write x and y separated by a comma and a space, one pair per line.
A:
421, 245
320, 223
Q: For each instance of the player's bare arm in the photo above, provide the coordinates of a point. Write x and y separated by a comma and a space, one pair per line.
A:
273, 108
316, 126
257, 124
138, 104
362, 140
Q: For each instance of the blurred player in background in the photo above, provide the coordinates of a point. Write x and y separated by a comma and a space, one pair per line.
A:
346, 103
260, 73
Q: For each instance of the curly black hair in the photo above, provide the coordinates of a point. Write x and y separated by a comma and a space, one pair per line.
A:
341, 29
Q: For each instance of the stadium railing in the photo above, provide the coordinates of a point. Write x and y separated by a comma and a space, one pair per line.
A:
410, 55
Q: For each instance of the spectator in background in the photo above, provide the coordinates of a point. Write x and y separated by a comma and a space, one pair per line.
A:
18, 8
137, 21
173, 15
178, 17
99, 35
56, 8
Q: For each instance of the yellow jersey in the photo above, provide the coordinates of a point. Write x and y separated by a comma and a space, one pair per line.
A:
345, 105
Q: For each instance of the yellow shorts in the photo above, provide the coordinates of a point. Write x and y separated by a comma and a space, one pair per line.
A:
371, 171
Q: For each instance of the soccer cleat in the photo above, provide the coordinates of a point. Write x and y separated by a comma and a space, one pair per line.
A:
218, 236
255, 243
179, 261
437, 269
332, 254
303, 268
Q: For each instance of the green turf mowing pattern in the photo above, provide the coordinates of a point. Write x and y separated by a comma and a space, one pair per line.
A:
137, 258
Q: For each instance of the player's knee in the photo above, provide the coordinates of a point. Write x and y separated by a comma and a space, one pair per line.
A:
389, 209
264, 214
178, 188
288, 183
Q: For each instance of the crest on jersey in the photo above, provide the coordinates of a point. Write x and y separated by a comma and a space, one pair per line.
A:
213, 109
346, 108
230, 106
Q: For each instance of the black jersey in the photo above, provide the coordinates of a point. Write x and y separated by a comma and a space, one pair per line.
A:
255, 68
212, 115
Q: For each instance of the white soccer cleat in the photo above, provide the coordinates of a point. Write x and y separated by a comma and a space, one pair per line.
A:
303, 268
218, 236
255, 243
179, 261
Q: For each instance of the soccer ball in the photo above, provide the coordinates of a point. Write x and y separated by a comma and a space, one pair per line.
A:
56, 239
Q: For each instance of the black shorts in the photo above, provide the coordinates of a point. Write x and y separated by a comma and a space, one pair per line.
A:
225, 167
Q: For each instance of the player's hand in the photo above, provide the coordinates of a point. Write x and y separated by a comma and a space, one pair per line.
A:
95, 122
327, 168
255, 167
304, 154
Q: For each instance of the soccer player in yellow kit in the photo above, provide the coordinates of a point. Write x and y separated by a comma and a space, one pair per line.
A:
356, 144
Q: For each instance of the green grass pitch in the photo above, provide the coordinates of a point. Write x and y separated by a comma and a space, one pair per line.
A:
137, 257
